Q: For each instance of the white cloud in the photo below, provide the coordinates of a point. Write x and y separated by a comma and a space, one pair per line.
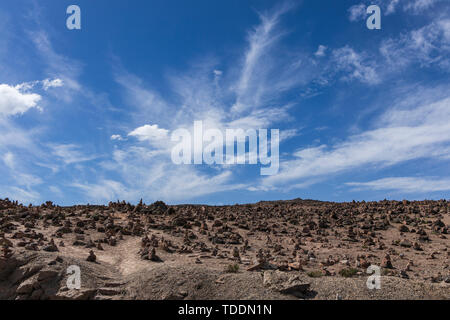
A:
9, 160
20, 194
143, 102
391, 7
320, 51
150, 133
357, 12
265, 72
418, 6
117, 137
260, 119
427, 46
70, 153
104, 190
28, 180
46, 84
289, 133
13, 136
67, 70
18, 174
162, 181
14, 101
55, 83
405, 184
57, 192
259, 40
355, 66
187, 183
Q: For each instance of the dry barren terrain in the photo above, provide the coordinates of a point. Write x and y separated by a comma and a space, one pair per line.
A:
298, 249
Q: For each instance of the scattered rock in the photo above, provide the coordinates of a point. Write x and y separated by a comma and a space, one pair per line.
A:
92, 257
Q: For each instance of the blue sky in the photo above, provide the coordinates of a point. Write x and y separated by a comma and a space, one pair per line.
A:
86, 115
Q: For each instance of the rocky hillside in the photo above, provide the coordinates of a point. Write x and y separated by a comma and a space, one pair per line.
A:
299, 249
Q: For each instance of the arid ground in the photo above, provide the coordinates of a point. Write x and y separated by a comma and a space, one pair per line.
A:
298, 249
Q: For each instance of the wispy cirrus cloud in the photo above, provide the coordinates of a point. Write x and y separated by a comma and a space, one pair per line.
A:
57, 65
203, 93
386, 144
402, 134
144, 174
426, 46
260, 41
355, 66
143, 102
357, 12
17, 171
70, 153
404, 184
418, 6
24, 183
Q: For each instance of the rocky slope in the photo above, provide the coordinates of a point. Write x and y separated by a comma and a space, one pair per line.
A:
299, 249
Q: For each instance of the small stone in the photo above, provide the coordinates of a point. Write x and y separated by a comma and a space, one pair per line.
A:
92, 257
153, 256
51, 247
409, 265
386, 263
403, 274
405, 243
